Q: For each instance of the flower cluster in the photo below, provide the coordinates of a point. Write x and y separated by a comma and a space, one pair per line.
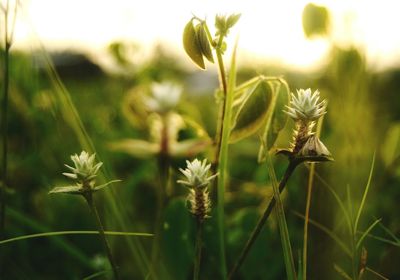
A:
197, 180
305, 109
83, 173
84, 170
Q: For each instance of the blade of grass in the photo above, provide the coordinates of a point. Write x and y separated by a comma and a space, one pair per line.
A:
330, 233
365, 194
390, 233
308, 204
97, 274
382, 239
71, 249
73, 232
376, 273
223, 158
341, 272
359, 242
284, 232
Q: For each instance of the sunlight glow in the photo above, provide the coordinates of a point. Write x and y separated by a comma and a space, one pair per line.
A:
271, 30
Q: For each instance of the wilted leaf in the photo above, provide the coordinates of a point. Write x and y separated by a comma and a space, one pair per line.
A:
315, 20
251, 115
136, 148
192, 46
204, 43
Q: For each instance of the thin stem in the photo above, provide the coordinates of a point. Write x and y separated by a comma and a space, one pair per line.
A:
199, 241
306, 218
5, 121
261, 222
163, 167
221, 153
93, 210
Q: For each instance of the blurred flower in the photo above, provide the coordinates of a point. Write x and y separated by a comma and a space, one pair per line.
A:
197, 177
165, 97
305, 106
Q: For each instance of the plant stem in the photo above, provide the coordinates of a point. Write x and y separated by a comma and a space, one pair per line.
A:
199, 241
4, 118
306, 218
163, 167
89, 199
220, 181
289, 170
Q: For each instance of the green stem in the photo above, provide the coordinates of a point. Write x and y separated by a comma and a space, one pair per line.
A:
222, 149
89, 199
306, 219
199, 241
163, 167
289, 170
4, 118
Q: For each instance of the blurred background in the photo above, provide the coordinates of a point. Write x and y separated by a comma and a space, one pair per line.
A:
76, 70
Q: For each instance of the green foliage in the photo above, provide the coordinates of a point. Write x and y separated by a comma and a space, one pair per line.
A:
316, 20
192, 45
253, 111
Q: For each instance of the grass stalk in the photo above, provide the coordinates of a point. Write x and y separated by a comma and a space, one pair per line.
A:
283, 229
261, 222
4, 118
95, 213
199, 241
163, 168
223, 150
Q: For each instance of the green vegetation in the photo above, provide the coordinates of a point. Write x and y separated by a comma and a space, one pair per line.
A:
297, 187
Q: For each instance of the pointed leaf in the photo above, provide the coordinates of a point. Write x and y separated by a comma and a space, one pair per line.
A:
67, 189
96, 188
192, 46
253, 111
341, 272
232, 20
204, 43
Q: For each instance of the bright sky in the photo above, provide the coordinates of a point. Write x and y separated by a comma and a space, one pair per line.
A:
270, 29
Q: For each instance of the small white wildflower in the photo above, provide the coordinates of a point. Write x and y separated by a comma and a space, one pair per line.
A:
197, 177
85, 169
305, 106
165, 97
196, 174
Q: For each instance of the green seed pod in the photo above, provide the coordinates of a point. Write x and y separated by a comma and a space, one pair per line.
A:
192, 46
204, 43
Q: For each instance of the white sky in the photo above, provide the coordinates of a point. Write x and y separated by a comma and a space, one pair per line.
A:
268, 28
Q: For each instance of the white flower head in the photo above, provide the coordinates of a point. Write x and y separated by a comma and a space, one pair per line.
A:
85, 168
305, 107
165, 97
196, 174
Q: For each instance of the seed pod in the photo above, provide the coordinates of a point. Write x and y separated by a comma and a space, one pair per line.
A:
192, 46
204, 43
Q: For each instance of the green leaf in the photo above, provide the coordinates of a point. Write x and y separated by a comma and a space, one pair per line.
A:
96, 188
136, 148
204, 43
279, 117
253, 112
192, 46
189, 148
67, 190
359, 242
315, 20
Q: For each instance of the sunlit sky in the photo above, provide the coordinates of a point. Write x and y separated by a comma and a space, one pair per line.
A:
267, 29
